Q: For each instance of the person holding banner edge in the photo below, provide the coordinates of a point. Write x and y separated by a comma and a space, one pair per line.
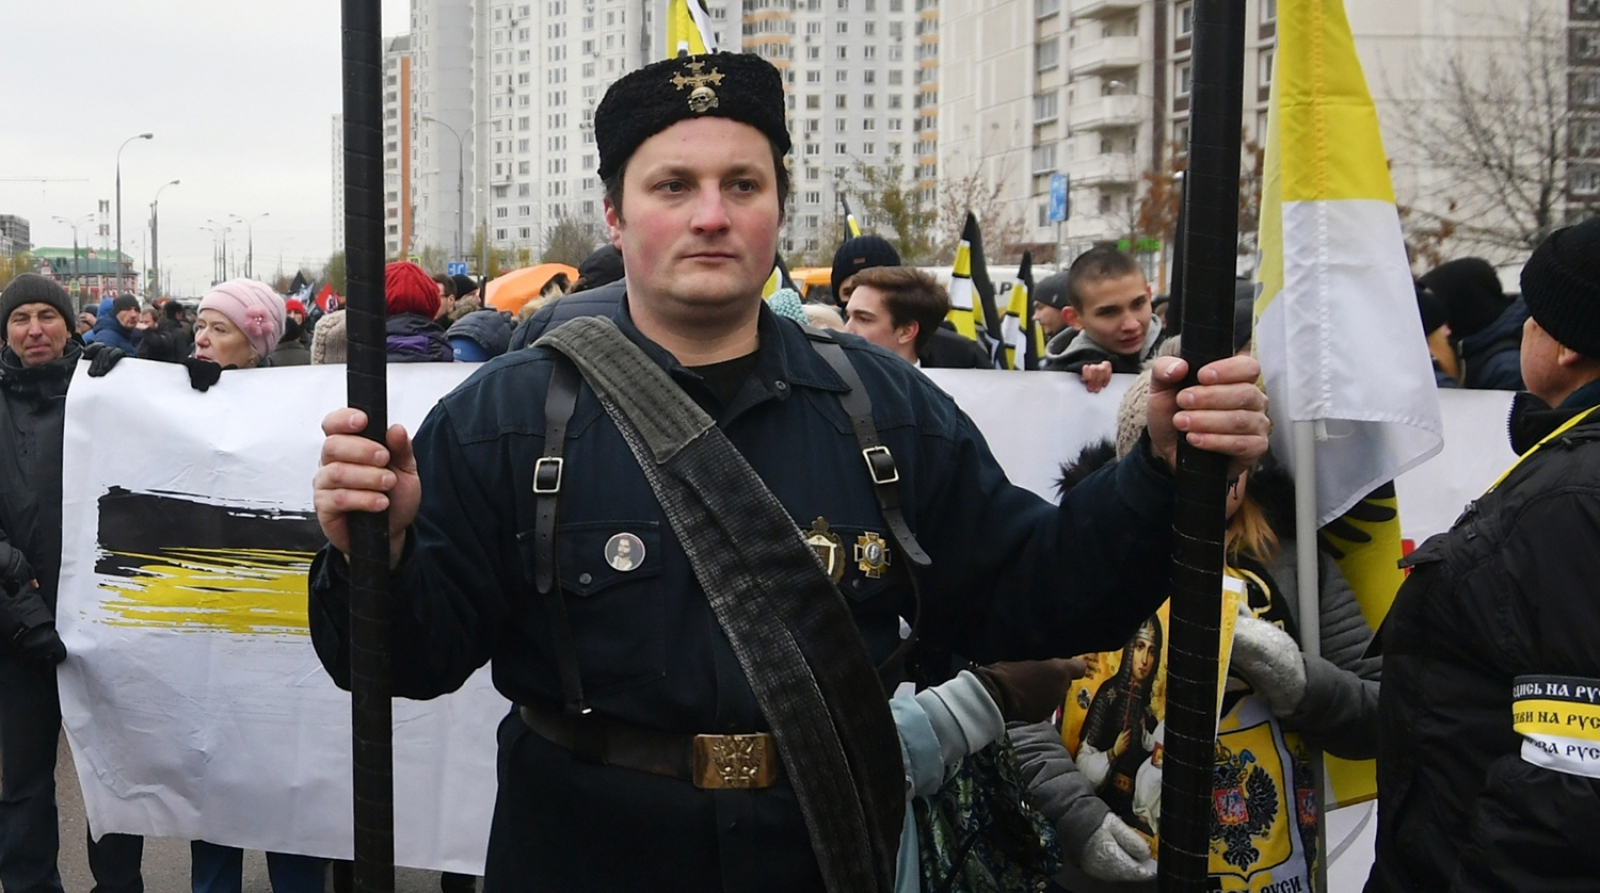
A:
691, 152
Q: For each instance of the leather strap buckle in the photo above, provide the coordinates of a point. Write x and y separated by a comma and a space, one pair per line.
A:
880, 464
739, 762
547, 476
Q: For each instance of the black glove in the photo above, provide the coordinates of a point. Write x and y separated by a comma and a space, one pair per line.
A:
27, 625
1029, 691
14, 569
102, 357
202, 373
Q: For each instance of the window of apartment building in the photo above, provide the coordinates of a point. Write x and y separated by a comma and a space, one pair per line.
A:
841, 148
1586, 88
524, 210
1044, 215
1045, 107
813, 197
1044, 158
499, 235
1047, 54
814, 53
813, 100
896, 101
524, 101
1269, 10
522, 35
841, 27
1585, 136
869, 148
869, 52
557, 53
842, 75
1585, 7
894, 150
895, 79
499, 14
1185, 17
1585, 181
869, 123
502, 212
893, 124
842, 101
1105, 203
869, 78
500, 191
524, 78
813, 28
524, 232
522, 145
813, 149
1264, 68
588, 70
1185, 79
897, 5
813, 76
1046, 8
1586, 44
522, 123
842, 52
897, 30
844, 5
523, 190
524, 56
840, 125
896, 53
524, 167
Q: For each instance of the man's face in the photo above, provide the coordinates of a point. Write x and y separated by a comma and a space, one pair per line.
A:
37, 334
296, 315
128, 318
1116, 312
867, 315
699, 222
447, 303
1049, 318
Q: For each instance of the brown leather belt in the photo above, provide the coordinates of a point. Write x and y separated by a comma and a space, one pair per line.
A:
711, 762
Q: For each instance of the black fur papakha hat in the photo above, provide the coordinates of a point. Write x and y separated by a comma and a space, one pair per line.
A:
740, 86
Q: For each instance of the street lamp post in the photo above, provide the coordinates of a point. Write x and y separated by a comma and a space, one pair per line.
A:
219, 248
250, 234
75, 224
118, 263
155, 235
461, 173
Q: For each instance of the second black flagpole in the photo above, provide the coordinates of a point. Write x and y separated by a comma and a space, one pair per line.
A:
370, 681
1210, 254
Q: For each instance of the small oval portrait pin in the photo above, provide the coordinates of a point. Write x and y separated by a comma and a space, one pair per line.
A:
624, 552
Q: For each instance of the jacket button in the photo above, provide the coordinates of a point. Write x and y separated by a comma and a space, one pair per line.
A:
585, 579
781, 386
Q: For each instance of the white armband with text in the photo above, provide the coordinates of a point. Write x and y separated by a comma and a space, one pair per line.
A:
1558, 718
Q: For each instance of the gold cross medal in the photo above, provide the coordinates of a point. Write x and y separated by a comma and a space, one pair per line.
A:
828, 546
702, 98
872, 555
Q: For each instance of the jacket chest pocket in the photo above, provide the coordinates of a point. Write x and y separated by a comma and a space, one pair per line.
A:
611, 582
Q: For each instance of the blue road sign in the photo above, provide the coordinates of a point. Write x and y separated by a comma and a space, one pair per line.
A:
1060, 209
456, 268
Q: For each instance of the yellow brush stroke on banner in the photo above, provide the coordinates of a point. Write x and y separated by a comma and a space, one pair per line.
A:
241, 591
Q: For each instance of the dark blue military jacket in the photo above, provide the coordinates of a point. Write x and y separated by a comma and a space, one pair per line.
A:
1012, 577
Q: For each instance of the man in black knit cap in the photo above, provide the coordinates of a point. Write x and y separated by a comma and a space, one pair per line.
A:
673, 731
1489, 751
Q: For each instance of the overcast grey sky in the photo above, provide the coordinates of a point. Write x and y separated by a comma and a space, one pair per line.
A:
240, 95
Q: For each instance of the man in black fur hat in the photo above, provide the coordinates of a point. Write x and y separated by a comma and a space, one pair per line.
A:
656, 744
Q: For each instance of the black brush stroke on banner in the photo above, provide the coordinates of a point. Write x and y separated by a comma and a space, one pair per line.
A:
135, 524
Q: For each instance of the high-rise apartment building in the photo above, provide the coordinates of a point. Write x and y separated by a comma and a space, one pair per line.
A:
398, 238
504, 94
337, 142
1097, 90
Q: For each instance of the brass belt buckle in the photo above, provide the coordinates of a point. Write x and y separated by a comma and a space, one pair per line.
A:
742, 762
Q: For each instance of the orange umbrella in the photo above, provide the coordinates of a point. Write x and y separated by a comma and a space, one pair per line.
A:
516, 288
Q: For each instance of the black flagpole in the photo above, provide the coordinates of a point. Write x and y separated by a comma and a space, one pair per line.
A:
370, 687
1210, 252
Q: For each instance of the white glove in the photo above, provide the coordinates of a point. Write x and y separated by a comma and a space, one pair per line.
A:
1268, 658
1116, 852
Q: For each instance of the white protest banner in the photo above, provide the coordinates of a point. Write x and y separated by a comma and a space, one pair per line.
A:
193, 700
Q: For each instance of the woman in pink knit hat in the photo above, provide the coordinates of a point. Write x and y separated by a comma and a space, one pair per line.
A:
240, 323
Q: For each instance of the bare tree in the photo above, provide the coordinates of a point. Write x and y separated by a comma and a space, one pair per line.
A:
891, 204
569, 242
1494, 128
1004, 230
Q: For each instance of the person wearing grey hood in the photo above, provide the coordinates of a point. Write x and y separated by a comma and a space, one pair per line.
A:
1101, 307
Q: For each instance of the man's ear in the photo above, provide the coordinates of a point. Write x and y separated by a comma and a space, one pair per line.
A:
613, 224
1069, 315
1570, 358
907, 334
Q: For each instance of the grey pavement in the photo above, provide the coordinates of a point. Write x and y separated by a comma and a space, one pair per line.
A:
166, 862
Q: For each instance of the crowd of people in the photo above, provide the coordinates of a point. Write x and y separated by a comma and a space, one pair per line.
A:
606, 510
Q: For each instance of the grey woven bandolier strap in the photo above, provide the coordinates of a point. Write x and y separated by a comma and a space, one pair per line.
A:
788, 624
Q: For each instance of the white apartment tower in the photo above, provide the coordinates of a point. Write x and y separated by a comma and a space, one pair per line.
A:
398, 237
510, 87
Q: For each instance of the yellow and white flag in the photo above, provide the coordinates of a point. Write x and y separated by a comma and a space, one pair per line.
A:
962, 314
1337, 328
689, 29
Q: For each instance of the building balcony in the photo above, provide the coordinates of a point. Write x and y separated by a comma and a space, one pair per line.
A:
1104, 170
1107, 54
1099, 9
1104, 112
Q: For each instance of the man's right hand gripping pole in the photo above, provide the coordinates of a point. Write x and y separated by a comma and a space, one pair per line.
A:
357, 475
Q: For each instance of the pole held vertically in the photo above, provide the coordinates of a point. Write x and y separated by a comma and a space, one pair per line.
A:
370, 679
1210, 238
